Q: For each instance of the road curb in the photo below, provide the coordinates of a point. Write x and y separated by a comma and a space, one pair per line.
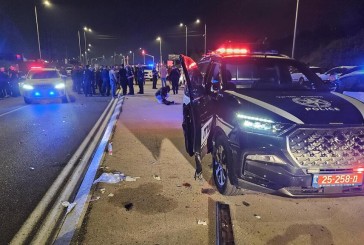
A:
73, 221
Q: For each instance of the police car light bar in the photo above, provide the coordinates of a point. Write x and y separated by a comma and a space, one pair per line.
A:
232, 51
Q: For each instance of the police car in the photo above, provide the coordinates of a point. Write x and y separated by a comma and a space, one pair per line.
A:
43, 83
267, 132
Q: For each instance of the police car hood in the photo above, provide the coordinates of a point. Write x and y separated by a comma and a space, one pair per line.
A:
300, 107
44, 81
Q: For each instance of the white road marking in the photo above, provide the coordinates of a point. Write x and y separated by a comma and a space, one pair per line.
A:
6, 113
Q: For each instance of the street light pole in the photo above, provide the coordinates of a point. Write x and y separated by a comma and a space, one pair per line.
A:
79, 44
186, 39
295, 27
160, 50
36, 22
132, 54
84, 36
205, 37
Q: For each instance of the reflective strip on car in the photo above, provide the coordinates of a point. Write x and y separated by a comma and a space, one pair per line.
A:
267, 106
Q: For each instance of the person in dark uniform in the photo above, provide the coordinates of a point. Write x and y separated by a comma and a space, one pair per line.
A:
174, 77
162, 94
73, 77
130, 76
135, 71
79, 79
140, 76
13, 82
88, 77
105, 82
155, 78
4, 82
99, 79
123, 79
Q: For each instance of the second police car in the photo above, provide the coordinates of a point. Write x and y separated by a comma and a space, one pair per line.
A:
43, 83
267, 132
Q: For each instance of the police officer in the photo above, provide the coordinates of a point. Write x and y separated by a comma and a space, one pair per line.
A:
123, 79
155, 78
13, 82
174, 76
4, 78
105, 82
87, 81
140, 76
130, 76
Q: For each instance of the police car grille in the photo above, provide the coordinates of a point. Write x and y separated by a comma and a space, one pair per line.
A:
44, 86
334, 147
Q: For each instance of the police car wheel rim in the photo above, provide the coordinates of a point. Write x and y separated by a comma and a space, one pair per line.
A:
220, 172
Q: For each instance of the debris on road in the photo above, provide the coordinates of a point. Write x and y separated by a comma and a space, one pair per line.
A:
128, 206
31, 168
110, 195
110, 178
207, 191
109, 148
201, 222
102, 190
187, 185
129, 178
68, 205
95, 199
246, 203
257, 216
156, 177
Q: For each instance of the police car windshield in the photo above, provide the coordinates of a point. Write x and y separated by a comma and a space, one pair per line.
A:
263, 74
43, 74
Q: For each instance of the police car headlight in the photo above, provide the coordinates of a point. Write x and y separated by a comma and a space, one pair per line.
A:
262, 125
28, 87
60, 86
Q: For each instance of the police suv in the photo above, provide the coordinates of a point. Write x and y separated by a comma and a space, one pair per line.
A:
267, 132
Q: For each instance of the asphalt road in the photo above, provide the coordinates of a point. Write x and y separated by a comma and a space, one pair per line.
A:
36, 142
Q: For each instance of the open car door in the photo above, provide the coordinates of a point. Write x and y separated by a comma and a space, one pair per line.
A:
198, 117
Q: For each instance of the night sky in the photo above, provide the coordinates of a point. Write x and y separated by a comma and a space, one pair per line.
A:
120, 26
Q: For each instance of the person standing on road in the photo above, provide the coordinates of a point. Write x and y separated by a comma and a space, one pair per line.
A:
140, 76
123, 79
174, 77
4, 78
13, 82
87, 81
163, 74
105, 82
79, 79
155, 78
130, 76
99, 79
113, 79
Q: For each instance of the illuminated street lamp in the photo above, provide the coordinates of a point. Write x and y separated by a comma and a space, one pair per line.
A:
205, 34
181, 24
86, 29
160, 50
47, 4
133, 55
143, 53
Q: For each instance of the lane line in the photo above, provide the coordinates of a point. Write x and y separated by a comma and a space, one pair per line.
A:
6, 113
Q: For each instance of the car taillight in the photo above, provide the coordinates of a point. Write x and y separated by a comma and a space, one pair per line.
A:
359, 170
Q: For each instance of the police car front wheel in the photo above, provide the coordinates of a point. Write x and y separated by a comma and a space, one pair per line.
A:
222, 158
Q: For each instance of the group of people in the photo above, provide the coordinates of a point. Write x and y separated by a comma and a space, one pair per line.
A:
107, 79
9, 79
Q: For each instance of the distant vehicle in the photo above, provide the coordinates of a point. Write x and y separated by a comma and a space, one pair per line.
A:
355, 68
148, 72
352, 84
334, 73
43, 83
300, 78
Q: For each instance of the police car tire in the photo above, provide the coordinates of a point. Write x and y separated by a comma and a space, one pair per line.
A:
27, 101
64, 99
227, 188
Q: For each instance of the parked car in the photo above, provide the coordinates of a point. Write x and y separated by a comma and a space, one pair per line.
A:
300, 77
352, 84
334, 73
355, 68
268, 132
